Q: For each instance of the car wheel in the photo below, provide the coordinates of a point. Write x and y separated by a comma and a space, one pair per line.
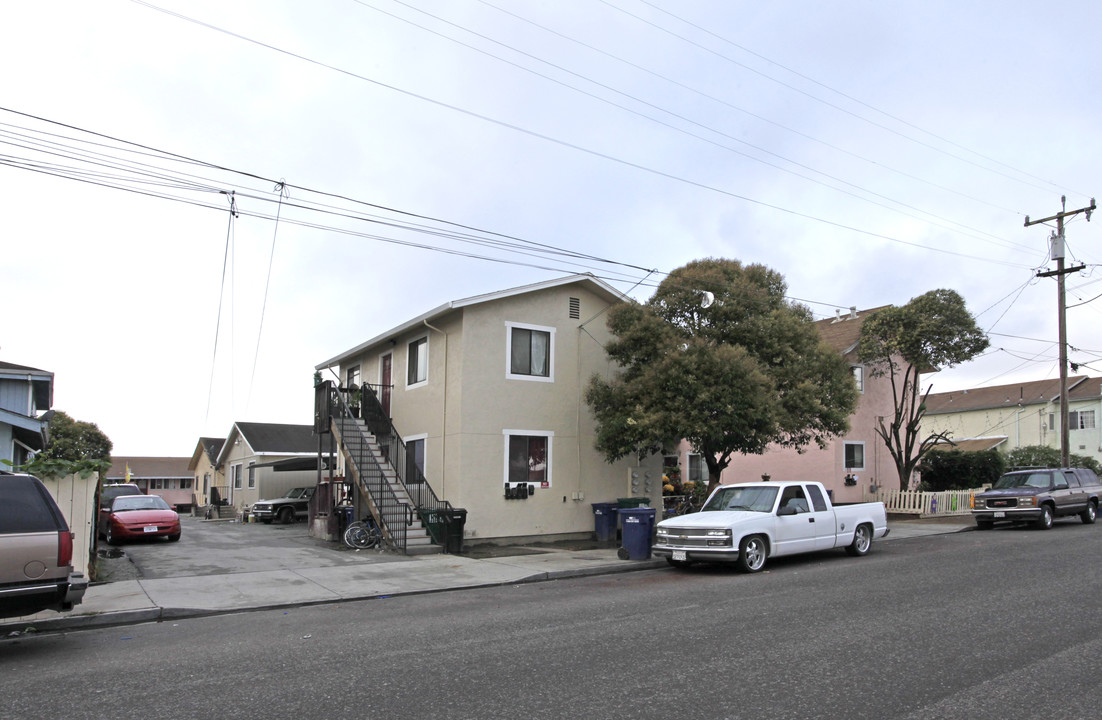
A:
1045, 521
679, 564
174, 538
287, 515
1088, 516
110, 536
984, 524
862, 541
751, 554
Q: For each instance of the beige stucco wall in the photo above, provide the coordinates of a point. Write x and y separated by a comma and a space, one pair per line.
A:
468, 403
217, 478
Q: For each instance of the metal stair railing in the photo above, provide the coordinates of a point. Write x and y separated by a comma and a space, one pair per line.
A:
391, 513
431, 509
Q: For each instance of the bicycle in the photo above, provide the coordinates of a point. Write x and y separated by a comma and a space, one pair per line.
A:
363, 534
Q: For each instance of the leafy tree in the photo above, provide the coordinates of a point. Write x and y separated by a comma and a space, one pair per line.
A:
742, 373
960, 470
931, 332
75, 440
1047, 457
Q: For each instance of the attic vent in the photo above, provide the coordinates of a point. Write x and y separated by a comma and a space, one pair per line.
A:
575, 309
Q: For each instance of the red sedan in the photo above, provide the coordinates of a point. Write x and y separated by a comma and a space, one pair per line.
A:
136, 516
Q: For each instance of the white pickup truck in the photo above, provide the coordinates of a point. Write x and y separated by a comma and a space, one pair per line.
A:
746, 523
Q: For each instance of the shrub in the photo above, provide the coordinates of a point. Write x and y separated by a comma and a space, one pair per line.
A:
1046, 457
960, 470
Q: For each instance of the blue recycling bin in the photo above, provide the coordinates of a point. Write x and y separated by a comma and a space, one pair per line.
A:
604, 520
637, 525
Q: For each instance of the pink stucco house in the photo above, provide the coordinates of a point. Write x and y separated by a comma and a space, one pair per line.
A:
850, 465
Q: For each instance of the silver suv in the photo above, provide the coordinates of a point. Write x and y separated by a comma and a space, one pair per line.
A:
36, 550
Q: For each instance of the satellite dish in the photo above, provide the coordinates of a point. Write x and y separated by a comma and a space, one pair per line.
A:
707, 300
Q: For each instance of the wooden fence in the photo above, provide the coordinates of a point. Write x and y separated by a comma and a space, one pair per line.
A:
75, 496
925, 504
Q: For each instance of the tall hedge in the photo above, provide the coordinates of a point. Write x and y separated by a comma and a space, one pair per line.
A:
1042, 456
960, 470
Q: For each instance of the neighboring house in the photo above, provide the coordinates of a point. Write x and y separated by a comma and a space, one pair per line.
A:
1019, 414
264, 460
209, 479
167, 477
488, 394
26, 395
849, 466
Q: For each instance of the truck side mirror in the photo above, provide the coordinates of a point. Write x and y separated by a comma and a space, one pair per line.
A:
787, 510
1060, 486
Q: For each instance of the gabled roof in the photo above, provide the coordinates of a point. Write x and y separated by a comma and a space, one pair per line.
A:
272, 439
599, 286
143, 468
1037, 392
844, 330
207, 446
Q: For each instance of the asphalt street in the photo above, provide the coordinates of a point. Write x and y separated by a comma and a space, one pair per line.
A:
979, 624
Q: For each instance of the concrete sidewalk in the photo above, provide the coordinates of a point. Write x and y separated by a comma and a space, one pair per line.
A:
148, 600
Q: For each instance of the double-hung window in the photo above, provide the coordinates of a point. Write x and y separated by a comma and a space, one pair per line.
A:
531, 352
1081, 420
528, 457
417, 363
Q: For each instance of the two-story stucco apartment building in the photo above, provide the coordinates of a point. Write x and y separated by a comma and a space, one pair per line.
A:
488, 394
1019, 414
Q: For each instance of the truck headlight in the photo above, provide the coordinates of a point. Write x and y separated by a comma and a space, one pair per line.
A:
719, 538
1027, 502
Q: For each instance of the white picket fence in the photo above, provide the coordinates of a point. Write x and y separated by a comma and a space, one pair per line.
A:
925, 504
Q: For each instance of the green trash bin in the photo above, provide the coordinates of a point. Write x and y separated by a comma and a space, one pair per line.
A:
633, 502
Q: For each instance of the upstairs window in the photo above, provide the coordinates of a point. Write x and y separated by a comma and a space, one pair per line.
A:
417, 370
859, 377
530, 352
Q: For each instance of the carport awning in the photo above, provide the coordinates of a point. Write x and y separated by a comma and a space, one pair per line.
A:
971, 444
293, 464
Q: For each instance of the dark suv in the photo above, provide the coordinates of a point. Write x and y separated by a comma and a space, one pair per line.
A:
1038, 496
36, 550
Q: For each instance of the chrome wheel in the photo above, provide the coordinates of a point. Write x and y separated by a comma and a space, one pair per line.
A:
1045, 521
751, 556
1088, 516
862, 540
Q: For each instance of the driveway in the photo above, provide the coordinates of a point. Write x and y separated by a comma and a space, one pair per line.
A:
220, 547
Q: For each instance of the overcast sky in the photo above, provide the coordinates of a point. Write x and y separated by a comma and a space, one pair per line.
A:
869, 151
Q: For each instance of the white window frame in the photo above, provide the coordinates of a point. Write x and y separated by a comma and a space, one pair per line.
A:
411, 343
858, 372
863, 462
550, 435
353, 372
252, 476
687, 473
1078, 423
509, 374
235, 476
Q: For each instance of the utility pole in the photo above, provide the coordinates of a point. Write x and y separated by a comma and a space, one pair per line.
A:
1057, 239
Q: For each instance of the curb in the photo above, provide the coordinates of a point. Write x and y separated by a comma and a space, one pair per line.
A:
159, 614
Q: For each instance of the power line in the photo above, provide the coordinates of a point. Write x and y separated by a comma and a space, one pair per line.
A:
573, 146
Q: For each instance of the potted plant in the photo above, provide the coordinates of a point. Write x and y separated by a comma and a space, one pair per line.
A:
354, 401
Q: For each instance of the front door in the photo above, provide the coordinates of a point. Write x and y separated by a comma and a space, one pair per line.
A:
385, 382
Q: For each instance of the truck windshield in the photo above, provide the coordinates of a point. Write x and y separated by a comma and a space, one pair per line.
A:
1032, 479
757, 499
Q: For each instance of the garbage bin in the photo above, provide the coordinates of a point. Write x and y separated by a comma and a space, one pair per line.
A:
604, 520
346, 514
455, 522
638, 525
